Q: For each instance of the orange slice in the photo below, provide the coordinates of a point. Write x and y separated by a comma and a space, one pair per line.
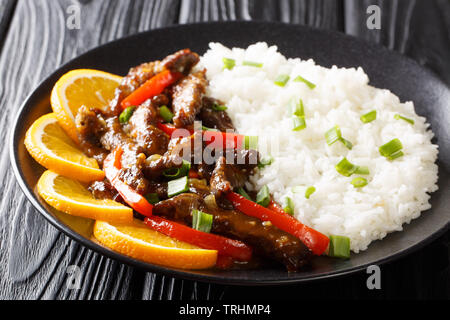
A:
52, 148
139, 242
70, 196
91, 88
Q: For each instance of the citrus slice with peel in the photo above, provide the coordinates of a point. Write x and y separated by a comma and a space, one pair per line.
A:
53, 149
140, 242
70, 196
82, 87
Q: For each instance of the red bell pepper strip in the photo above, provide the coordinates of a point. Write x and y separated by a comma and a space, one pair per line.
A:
112, 166
314, 240
225, 140
215, 139
224, 246
275, 207
151, 88
193, 174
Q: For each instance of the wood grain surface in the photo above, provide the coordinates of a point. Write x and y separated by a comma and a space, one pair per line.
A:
34, 41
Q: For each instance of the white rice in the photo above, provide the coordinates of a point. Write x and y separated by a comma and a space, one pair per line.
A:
397, 191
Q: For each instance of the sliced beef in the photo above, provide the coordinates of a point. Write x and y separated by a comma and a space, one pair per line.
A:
265, 238
214, 119
227, 176
134, 79
103, 190
142, 127
182, 61
187, 98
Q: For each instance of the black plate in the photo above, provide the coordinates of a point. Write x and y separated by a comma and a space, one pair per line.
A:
386, 69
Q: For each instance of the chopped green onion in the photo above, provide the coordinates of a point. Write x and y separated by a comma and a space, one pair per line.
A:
281, 80
216, 107
333, 135
250, 143
369, 117
209, 129
347, 143
339, 247
201, 221
228, 63
299, 123
309, 191
362, 170
126, 115
392, 149
400, 117
359, 182
178, 186
166, 114
264, 162
297, 189
243, 193
288, 206
308, 83
252, 64
152, 198
346, 168
263, 197
175, 173
296, 108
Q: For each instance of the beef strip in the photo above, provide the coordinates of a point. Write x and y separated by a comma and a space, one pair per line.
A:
265, 238
227, 176
182, 61
142, 126
103, 190
214, 119
187, 98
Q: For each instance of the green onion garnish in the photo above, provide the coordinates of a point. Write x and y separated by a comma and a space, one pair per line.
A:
359, 182
297, 108
347, 143
228, 63
400, 117
216, 107
252, 64
346, 168
392, 149
243, 193
201, 221
335, 134
264, 162
281, 80
297, 189
362, 170
308, 83
369, 117
152, 198
288, 206
126, 115
250, 143
339, 247
299, 123
175, 173
309, 191
263, 197
178, 186
166, 114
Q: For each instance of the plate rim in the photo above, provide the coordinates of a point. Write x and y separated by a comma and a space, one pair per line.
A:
178, 273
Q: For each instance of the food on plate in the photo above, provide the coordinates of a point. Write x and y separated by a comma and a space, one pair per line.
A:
236, 159
70, 196
52, 148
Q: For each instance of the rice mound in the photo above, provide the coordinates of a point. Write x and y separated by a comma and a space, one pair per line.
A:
397, 191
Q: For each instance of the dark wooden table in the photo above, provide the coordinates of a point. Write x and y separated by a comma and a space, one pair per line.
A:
35, 40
